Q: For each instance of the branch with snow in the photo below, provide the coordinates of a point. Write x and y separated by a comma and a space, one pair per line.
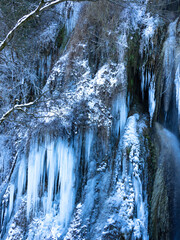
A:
19, 107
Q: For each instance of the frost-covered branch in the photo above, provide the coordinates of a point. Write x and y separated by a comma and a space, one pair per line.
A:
19, 107
43, 5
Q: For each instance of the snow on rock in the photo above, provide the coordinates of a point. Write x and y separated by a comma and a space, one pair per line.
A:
129, 191
18, 223
150, 25
87, 90
122, 219
76, 229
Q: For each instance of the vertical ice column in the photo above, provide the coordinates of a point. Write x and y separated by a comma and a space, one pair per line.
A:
67, 163
21, 177
147, 82
52, 172
152, 100
88, 140
169, 63
120, 113
143, 81
35, 174
72, 16
11, 198
177, 84
49, 59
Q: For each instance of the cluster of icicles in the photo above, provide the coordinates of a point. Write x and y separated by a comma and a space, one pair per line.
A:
171, 75
49, 177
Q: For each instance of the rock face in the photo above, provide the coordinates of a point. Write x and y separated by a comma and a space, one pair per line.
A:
87, 160
165, 207
160, 208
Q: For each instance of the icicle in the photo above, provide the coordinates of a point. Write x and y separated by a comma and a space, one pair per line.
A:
42, 68
138, 197
120, 113
123, 112
11, 198
89, 138
177, 84
142, 82
51, 169
72, 17
67, 183
152, 100
49, 64
35, 173
148, 82
21, 177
